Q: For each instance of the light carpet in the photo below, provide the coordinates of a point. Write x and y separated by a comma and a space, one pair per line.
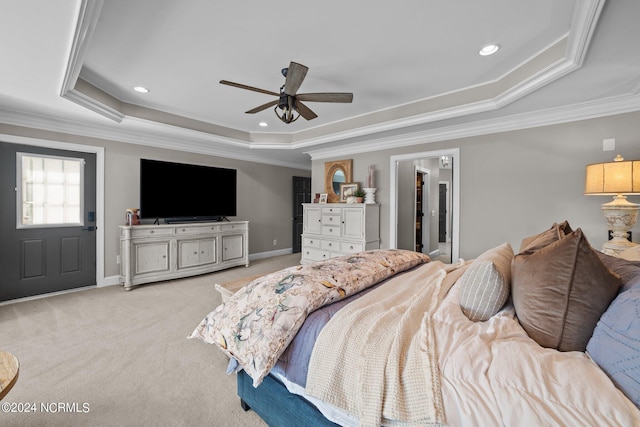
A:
107, 357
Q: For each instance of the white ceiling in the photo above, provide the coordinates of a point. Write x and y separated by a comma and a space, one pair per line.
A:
412, 65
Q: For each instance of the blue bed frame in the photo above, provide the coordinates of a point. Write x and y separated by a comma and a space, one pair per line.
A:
276, 405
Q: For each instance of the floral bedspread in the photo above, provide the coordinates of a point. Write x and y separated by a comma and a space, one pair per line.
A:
258, 322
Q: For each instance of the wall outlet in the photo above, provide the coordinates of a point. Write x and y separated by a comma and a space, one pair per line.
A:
275, 242
117, 259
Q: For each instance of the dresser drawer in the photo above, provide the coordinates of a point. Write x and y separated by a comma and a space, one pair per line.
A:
351, 248
331, 220
330, 211
152, 232
310, 242
233, 227
331, 230
330, 245
315, 254
191, 231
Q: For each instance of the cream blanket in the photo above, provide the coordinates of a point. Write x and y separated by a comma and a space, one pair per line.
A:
376, 358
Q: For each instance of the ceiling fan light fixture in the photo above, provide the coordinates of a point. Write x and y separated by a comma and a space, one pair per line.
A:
489, 49
288, 115
288, 110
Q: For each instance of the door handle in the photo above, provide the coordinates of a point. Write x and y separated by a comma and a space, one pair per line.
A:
90, 228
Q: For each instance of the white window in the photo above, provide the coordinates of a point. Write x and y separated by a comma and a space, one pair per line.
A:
50, 190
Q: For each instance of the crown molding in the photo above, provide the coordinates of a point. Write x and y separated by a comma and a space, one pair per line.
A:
143, 132
552, 116
93, 105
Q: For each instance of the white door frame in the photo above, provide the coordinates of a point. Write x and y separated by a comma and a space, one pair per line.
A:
99, 152
454, 153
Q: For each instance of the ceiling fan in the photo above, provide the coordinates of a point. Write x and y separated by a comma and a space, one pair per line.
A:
289, 101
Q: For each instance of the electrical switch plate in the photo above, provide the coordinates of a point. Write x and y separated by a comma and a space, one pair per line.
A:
609, 144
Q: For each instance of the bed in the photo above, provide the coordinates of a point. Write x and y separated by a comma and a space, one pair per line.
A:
549, 335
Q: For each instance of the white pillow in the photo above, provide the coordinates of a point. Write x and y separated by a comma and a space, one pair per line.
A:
486, 284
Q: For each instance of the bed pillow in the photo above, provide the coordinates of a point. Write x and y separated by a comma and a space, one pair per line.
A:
615, 344
553, 234
486, 283
629, 271
560, 291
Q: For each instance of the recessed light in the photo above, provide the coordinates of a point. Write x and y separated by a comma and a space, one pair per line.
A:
263, 124
489, 50
141, 89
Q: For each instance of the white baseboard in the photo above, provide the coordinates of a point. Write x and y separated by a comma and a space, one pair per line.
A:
270, 254
109, 281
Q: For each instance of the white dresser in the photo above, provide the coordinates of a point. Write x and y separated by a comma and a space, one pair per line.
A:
334, 229
150, 253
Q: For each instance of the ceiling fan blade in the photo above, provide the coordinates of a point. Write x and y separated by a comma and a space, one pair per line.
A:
326, 97
241, 86
305, 111
295, 75
263, 107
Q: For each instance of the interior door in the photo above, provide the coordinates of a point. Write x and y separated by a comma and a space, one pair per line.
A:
419, 211
301, 194
38, 258
442, 217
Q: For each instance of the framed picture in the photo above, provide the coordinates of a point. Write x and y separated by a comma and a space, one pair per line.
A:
323, 198
347, 189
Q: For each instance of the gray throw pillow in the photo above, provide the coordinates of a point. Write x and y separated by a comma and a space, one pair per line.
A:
486, 283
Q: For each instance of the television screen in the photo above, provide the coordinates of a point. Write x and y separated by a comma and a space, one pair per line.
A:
179, 191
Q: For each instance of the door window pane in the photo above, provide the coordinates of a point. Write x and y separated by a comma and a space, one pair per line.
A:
49, 190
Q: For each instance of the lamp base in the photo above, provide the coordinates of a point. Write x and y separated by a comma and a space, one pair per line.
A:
615, 248
621, 215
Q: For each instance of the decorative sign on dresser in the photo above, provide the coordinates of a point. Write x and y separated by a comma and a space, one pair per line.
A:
151, 253
334, 229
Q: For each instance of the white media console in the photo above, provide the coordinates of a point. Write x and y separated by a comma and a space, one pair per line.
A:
151, 253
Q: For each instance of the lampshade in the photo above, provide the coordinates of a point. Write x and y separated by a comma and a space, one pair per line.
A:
613, 178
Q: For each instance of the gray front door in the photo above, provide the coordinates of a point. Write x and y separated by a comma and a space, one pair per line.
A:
43, 258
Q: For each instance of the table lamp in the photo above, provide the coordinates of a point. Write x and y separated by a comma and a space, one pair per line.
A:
618, 178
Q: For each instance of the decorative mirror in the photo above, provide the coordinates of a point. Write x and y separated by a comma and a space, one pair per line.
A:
335, 174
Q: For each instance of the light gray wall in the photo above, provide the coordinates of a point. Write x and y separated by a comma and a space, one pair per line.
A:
265, 192
515, 184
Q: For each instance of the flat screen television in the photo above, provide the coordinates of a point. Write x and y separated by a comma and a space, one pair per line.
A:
178, 192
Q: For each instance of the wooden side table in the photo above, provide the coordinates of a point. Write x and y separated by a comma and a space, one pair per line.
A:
9, 367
